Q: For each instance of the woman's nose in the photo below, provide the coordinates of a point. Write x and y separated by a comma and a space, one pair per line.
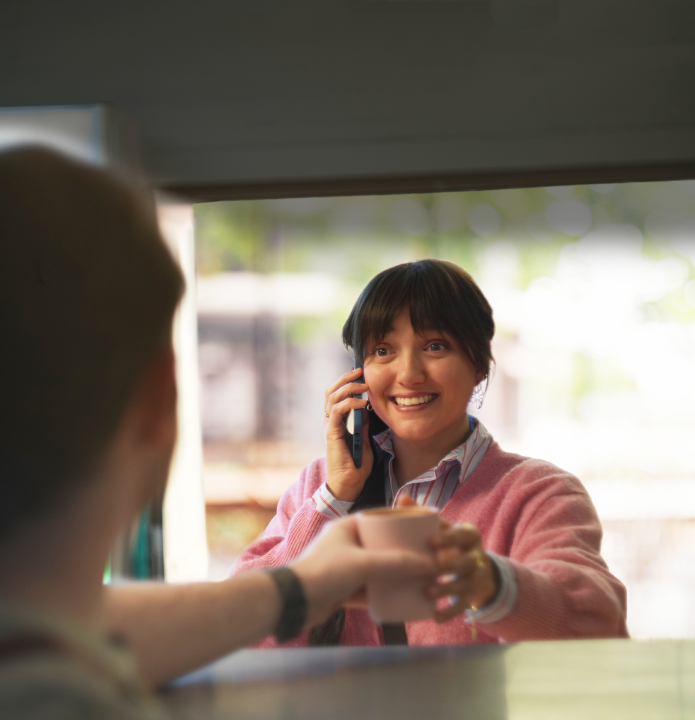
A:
411, 370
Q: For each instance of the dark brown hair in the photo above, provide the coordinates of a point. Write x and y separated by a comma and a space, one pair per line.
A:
87, 295
439, 296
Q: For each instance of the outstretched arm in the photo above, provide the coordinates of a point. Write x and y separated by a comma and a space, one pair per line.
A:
174, 629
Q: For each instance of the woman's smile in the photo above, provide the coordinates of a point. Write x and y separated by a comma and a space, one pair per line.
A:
420, 383
411, 403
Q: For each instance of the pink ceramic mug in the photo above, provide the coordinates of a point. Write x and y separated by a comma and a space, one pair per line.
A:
398, 529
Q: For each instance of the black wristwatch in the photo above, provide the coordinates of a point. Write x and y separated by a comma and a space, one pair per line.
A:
294, 605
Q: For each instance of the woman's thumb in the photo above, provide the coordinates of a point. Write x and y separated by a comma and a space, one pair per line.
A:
405, 501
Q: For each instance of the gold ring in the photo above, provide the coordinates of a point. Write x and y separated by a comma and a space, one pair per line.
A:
474, 627
328, 415
478, 559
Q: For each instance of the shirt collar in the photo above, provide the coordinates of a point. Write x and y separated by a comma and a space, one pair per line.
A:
475, 445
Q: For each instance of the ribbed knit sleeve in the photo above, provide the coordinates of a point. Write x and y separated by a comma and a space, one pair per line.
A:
565, 589
295, 525
541, 519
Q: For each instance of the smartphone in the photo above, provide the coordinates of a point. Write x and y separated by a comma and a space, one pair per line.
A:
357, 439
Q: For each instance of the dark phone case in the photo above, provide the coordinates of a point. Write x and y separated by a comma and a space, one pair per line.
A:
357, 439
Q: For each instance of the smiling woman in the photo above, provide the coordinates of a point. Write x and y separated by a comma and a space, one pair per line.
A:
525, 564
423, 333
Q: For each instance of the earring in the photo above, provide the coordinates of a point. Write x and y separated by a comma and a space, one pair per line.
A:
478, 395
369, 407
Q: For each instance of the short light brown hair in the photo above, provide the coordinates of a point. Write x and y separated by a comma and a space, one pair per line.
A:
87, 295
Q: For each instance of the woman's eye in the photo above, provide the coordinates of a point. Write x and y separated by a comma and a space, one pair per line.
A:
436, 347
380, 352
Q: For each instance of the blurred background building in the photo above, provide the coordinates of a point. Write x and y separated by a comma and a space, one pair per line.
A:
593, 289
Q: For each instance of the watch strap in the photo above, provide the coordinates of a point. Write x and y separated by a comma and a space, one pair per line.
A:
294, 604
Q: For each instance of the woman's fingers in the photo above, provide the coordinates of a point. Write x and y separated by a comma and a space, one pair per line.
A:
462, 594
464, 536
346, 391
442, 616
463, 565
405, 501
444, 525
345, 479
344, 379
341, 409
348, 384
467, 574
463, 586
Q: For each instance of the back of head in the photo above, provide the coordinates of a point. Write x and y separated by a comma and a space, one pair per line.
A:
87, 294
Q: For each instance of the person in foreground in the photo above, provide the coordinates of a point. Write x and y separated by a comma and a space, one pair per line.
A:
524, 547
87, 427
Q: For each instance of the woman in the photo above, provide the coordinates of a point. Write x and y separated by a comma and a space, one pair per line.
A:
526, 562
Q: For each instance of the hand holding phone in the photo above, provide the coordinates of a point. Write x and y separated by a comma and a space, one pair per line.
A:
357, 435
349, 455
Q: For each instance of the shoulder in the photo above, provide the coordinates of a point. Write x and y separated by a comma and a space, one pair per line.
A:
527, 490
310, 479
527, 473
314, 474
316, 469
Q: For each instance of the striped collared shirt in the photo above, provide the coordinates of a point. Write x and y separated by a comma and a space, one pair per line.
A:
433, 489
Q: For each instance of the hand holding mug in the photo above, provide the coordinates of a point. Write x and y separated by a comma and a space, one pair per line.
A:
335, 568
466, 570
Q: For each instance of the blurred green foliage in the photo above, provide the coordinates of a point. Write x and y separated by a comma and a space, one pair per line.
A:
359, 236
356, 237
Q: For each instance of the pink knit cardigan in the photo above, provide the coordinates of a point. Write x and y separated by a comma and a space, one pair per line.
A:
538, 516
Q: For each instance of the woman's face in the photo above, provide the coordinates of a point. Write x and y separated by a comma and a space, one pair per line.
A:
419, 385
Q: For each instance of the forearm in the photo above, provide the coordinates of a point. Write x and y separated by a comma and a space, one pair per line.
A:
565, 589
563, 602
174, 629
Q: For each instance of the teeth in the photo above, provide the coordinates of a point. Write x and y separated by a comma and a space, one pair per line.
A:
414, 400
